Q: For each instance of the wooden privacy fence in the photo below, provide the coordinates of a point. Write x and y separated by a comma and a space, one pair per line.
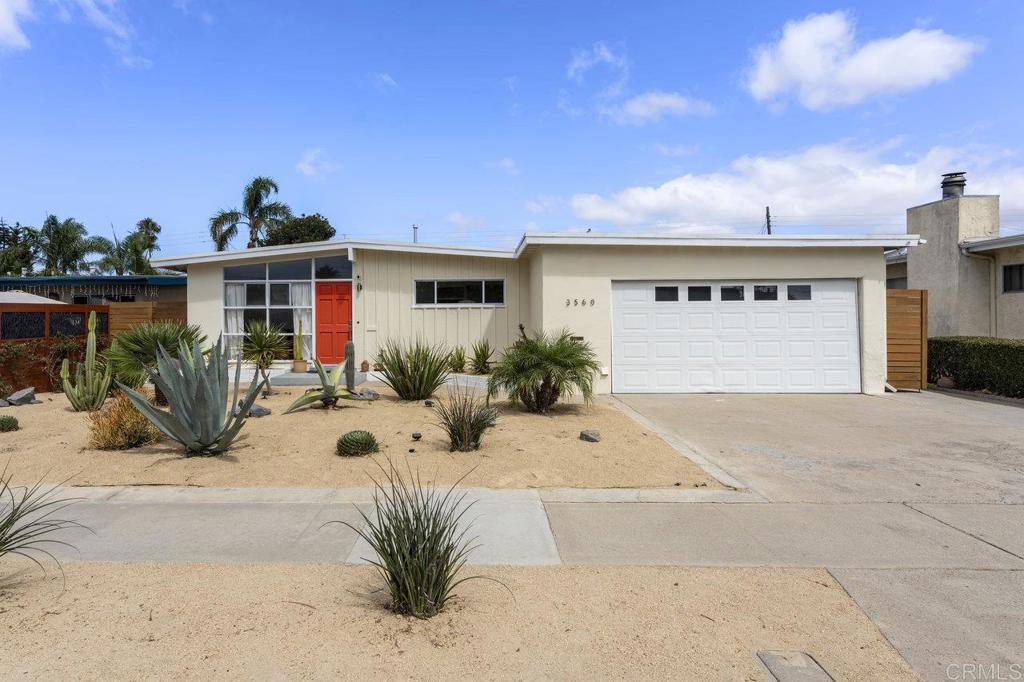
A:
907, 338
125, 315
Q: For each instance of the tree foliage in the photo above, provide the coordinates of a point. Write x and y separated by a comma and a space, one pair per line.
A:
17, 248
64, 246
304, 228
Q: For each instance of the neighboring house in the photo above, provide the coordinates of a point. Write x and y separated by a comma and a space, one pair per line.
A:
101, 289
21, 298
974, 277
663, 313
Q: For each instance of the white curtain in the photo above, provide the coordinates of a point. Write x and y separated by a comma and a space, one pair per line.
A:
234, 295
233, 321
302, 295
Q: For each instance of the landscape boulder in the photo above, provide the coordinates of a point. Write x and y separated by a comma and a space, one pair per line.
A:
25, 396
590, 436
255, 410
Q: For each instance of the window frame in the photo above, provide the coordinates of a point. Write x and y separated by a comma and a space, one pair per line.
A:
810, 292
483, 288
1006, 267
674, 287
741, 299
268, 306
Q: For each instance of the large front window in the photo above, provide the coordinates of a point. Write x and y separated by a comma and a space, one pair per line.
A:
279, 294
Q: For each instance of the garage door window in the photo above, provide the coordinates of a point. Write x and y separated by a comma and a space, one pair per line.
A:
732, 293
766, 292
698, 293
664, 294
798, 292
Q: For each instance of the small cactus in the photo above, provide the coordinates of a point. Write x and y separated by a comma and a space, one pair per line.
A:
91, 386
356, 443
8, 423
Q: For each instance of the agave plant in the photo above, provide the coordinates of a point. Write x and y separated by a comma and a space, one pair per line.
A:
329, 392
481, 360
201, 417
357, 443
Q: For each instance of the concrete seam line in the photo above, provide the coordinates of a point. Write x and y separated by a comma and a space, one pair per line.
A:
682, 447
551, 530
967, 533
866, 615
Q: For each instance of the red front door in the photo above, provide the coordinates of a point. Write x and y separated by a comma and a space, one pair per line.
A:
333, 320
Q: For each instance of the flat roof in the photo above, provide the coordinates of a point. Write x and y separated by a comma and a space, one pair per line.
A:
551, 239
70, 280
994, 244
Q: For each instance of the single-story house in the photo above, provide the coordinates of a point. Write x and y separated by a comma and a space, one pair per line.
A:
974, 276
100, 289
663, 313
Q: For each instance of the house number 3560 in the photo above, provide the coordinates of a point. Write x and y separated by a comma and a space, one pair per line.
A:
579, 302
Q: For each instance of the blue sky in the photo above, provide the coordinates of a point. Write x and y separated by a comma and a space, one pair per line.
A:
479, 120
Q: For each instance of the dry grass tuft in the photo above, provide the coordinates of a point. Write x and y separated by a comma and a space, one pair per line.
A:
120, 426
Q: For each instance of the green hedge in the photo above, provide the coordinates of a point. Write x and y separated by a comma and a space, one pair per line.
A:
978, 363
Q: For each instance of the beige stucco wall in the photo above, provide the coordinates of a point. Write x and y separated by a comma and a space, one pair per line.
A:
587, 273
206, 298
384, 308
1009, 306
958, 286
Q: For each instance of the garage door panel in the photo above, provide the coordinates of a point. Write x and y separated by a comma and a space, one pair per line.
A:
806, 345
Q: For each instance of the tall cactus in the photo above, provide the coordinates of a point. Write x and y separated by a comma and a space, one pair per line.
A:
297, 345
350, 367
91, 387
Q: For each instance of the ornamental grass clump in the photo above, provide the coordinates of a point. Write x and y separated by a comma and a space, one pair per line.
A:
420, 542
413, 371
204, 416
357, 443
28, 520
8, 422
464, 416
120, 426
538, 370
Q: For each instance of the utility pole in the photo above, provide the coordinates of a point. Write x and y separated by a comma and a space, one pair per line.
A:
768, 219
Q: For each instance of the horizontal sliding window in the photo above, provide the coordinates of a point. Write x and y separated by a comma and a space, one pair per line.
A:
460, 292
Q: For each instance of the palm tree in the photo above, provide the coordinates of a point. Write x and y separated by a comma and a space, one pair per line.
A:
129, 256
257, 213
64, 246
149, 228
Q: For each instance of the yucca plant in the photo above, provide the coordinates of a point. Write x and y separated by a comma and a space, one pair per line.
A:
136, 349
203, 417
420, 541
538, 370
28, 522
329, 392
413, 371
262, 345
464, 416
457, 360
481, 361
357, 443
91, 385
8, 422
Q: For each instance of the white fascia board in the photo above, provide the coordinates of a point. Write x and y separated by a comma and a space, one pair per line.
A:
313, 248
884, 241
994, 244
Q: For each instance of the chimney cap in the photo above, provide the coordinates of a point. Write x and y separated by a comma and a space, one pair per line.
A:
954, 174
953, 184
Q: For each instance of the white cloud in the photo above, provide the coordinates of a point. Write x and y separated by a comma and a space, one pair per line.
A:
651, 107
599, 54
315, 162
675, 151
12, 12
461, 221
507, 166
542, 204
825, 187
383, 81
818, 60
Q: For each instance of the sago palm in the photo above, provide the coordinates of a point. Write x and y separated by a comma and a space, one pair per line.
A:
258, 213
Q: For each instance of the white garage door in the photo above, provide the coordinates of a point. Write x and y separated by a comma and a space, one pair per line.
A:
735, 337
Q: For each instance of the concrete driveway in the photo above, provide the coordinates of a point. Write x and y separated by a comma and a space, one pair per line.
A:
905, 447
935, 482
